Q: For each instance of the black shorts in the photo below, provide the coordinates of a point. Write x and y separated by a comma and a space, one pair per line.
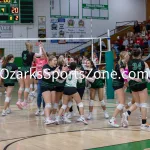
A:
70, 90
45, 89
118, 87
9, 84
81, 91
59, 88
138, 87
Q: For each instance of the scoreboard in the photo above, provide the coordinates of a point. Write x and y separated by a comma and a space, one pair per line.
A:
16, 11
9, 11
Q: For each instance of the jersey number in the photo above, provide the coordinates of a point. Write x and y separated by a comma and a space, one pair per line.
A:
25, 56
136, 66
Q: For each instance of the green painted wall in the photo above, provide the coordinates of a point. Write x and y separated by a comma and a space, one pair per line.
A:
18, 61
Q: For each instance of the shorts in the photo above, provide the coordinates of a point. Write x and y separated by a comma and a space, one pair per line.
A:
138, 87
81, 91
70, 90
25, 71
118, 87
9, 84
97, 86
45, 89
59, 88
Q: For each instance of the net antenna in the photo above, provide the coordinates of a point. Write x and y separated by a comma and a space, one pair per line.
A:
108, 47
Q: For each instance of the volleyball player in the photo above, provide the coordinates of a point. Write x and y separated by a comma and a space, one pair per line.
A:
118, 86
70, 90
24, 82
48, 87
138, 69
96, 84
9, 81
33, 84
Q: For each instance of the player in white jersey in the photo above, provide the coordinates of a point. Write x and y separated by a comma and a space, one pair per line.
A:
70, 90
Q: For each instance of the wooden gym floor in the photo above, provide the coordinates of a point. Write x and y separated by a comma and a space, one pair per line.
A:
21, 130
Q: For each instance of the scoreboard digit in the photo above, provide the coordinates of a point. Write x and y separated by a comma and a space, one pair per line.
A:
9, 11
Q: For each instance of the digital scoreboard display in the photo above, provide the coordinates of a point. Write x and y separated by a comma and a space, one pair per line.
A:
10, 11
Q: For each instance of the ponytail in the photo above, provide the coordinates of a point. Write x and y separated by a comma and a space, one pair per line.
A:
7, 59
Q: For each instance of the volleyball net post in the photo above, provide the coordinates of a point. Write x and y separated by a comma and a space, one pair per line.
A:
109, 68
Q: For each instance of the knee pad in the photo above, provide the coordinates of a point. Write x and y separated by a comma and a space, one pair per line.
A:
64, 107
120, 106
80, 104
27, 90
48, 105
103, 103
70, 104
55, 106
7, 99
91, 103
143, 105
129, 104
21, 89
137, 104
31, 86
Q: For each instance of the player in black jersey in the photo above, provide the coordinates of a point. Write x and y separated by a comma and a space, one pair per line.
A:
48, 87
118, 85
97, 83
138, 69
60, 83
9, 74
24, 81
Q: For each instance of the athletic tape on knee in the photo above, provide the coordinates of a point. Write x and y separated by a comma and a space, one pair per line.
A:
103, 103
64, 107
137, 104
21, 89
143, 105
27, 90
91, 103
55, 106
120, 106
7, 99
48, 105
129, 104
31, 86
70, 104
80, 104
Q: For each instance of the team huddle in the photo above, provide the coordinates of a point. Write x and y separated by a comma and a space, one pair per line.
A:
58, 80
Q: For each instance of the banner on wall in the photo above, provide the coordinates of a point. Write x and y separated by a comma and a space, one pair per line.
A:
42, 27
6, 31
68, 28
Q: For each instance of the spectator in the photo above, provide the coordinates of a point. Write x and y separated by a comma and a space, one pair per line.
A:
144, 32
125, 42
137, 28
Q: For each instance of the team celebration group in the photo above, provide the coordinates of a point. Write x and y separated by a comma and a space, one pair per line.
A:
58, 80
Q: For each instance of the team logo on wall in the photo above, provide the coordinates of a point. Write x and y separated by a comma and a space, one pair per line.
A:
61, 34
81, 23
54, 26
71, 23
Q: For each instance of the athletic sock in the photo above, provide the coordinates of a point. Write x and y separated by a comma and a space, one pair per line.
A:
25, 101
19, 100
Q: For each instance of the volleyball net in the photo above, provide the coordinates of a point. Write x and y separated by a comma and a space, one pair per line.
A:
57, 46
